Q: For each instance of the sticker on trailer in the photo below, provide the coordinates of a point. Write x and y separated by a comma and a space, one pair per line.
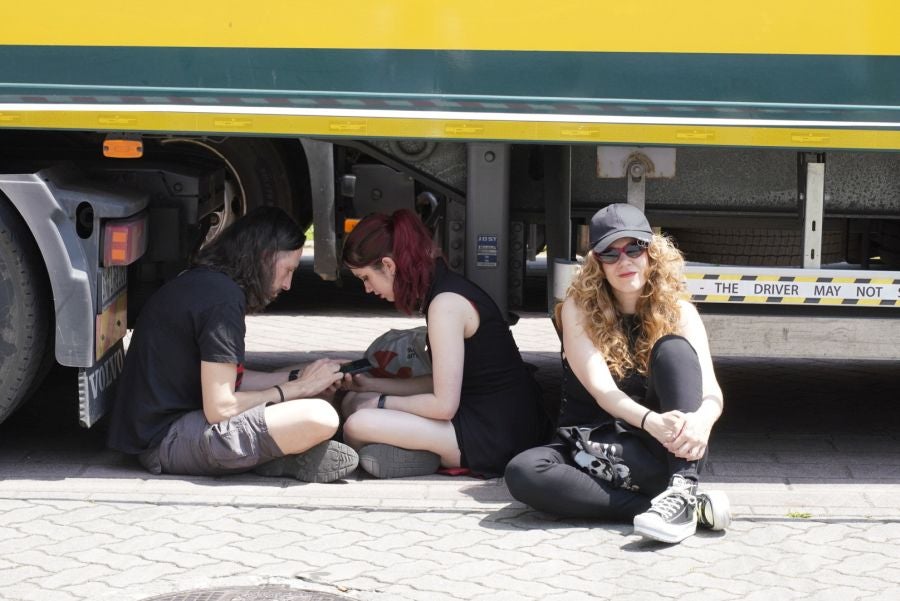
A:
771, 288
111, 325
112, 281
486, 251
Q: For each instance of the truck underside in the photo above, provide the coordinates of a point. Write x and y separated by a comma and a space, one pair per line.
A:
769, 152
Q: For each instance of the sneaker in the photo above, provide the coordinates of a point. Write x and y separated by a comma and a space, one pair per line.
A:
672, 516
326, 462
713, 510
386, 461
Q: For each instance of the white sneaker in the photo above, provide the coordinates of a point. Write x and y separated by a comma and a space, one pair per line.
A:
672, 516
713, 510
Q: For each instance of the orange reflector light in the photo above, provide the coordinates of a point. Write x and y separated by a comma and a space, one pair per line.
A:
124, 240
350, 225
123, 148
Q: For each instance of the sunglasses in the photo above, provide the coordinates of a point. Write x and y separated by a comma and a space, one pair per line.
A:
611, 255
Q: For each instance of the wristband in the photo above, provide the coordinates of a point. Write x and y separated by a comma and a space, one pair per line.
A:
644, 419
381, 400
280, 393
295, 373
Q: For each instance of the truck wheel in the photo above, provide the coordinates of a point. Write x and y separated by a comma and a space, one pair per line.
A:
25, 324
754, 246
259, 172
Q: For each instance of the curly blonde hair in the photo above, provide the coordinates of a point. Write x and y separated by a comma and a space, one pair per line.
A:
657, 311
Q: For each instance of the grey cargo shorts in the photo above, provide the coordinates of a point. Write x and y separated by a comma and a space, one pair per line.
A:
194, 447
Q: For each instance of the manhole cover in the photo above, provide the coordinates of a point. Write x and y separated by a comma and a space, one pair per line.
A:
249, 593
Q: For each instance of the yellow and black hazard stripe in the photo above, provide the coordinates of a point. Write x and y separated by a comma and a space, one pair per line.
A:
830, 290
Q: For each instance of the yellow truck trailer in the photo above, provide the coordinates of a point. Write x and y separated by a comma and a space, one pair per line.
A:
763, 136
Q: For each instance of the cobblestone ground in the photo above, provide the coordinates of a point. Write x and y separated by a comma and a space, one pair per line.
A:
79, 549
813, 478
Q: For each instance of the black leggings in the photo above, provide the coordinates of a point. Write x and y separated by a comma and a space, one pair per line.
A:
547, 479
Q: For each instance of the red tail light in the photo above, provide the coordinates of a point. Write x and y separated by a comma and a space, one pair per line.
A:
124, 240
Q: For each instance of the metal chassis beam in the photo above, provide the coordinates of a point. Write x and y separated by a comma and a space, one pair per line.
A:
320, 157
558, 203
487, 219
813, 213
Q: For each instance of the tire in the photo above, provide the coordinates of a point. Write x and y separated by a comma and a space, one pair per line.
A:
26, 320
260, 172
754, 246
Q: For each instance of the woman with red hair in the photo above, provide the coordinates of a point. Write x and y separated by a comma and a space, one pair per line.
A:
479, 407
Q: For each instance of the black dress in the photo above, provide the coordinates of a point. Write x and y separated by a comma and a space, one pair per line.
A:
500, 412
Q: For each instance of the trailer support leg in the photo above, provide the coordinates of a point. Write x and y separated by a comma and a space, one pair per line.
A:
813, 212
636, 176
487, 219
558, 207
320, 157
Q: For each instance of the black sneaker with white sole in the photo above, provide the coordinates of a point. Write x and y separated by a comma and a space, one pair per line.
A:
672, 516
326, 462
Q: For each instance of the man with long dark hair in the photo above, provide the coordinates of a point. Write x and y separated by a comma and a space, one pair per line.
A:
185, 403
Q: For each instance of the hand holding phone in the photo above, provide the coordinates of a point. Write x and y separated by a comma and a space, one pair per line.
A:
356, 367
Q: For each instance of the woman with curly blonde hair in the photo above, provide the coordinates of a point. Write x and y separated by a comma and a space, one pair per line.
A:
640, 396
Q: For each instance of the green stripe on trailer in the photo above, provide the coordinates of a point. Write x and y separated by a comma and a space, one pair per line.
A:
754, 87
820, 102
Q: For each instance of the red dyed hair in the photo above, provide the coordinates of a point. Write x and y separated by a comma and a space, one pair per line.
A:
404, 238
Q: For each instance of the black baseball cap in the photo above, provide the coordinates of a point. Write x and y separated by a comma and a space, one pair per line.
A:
618, 221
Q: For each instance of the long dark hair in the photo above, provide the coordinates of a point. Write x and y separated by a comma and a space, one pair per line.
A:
245, 251
403, 237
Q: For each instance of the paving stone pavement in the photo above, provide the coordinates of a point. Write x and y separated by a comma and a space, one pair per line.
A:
814, 488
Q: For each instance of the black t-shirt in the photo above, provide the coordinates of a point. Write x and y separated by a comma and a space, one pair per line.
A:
198, 316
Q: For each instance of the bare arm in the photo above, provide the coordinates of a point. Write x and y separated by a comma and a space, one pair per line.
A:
589, 366
260, 380
401, 386
221, 400
451, 319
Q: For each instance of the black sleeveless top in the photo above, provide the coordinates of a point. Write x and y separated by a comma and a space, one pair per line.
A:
500, 412
579, 407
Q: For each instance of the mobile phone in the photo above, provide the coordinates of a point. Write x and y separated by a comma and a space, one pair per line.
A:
356, 367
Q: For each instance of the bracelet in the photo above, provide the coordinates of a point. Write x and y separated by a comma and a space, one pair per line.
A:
280, 393
295, 373
381, 400
643, 419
